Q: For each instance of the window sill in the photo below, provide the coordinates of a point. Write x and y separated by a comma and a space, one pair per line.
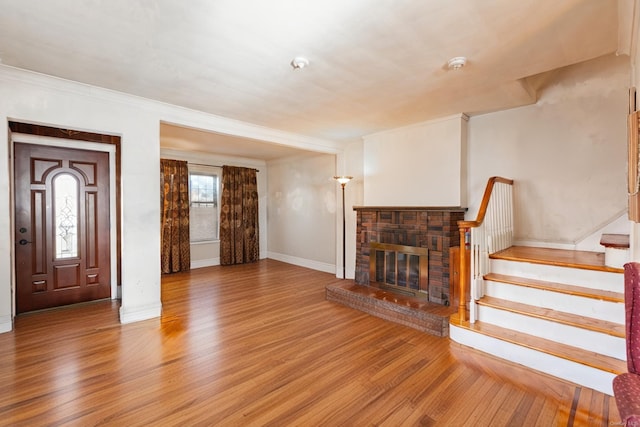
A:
205, 242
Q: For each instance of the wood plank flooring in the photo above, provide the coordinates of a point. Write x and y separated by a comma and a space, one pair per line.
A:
258, 345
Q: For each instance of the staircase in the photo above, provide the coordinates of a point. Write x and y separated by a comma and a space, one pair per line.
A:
557, 311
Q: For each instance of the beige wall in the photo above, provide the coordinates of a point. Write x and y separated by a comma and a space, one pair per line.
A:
566, 153
419, 165
302, 211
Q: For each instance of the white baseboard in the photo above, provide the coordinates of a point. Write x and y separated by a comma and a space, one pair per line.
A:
302, 262
210, 262
136, 314
6, 324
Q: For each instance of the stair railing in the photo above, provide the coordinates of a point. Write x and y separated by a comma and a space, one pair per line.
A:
492, 231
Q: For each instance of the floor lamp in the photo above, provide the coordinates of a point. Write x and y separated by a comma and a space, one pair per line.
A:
342, 180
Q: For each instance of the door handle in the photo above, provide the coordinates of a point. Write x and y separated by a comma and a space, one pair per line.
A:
23, 242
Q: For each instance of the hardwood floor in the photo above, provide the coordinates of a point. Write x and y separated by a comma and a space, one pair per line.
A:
259, 345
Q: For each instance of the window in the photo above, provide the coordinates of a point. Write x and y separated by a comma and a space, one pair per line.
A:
65, 190
203, 206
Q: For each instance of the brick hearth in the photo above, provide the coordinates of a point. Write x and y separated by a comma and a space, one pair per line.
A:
413, 312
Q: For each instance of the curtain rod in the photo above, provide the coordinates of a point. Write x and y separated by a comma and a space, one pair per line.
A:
218, 166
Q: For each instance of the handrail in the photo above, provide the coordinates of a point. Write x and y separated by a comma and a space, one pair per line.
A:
474, 236
485, 201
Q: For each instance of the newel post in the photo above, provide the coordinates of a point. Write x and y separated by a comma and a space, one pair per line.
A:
462, 279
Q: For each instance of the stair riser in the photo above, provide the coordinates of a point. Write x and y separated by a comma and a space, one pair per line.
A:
588, 307
615, 257
578, 337
570, 276
558, 367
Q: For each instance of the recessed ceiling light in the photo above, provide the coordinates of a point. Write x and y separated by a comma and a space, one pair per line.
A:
299, 62
457, 63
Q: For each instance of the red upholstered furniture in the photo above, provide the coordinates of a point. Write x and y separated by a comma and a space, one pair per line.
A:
626, 387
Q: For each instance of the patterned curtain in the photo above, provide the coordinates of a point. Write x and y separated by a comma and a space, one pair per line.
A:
239, 216
174, 204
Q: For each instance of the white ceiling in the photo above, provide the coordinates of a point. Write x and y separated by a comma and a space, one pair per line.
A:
195, 140
374, 65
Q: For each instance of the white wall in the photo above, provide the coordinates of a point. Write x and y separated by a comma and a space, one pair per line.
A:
205, 254
302, 211
566, 153
430, 157
35, 98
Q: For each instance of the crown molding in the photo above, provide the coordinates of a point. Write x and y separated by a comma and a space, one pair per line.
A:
170, 113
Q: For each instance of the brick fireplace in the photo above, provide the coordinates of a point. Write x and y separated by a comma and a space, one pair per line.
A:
432, 228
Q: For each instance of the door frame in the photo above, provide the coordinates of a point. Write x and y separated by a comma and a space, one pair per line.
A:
113, 217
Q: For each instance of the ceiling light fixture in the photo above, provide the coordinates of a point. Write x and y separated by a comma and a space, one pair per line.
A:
457, 63
299, 62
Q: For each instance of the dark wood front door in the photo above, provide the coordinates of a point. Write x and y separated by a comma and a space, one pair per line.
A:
62, 226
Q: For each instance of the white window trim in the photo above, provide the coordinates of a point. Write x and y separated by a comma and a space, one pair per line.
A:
207, 170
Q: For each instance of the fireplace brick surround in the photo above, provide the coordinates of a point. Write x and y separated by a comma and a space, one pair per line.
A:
434, 228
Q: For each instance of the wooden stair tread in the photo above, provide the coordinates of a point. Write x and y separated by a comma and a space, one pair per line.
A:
596, 325
574, 354
557, 287
557, 257
619, 241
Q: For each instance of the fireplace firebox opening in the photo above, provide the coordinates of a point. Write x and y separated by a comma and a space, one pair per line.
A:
400, 268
